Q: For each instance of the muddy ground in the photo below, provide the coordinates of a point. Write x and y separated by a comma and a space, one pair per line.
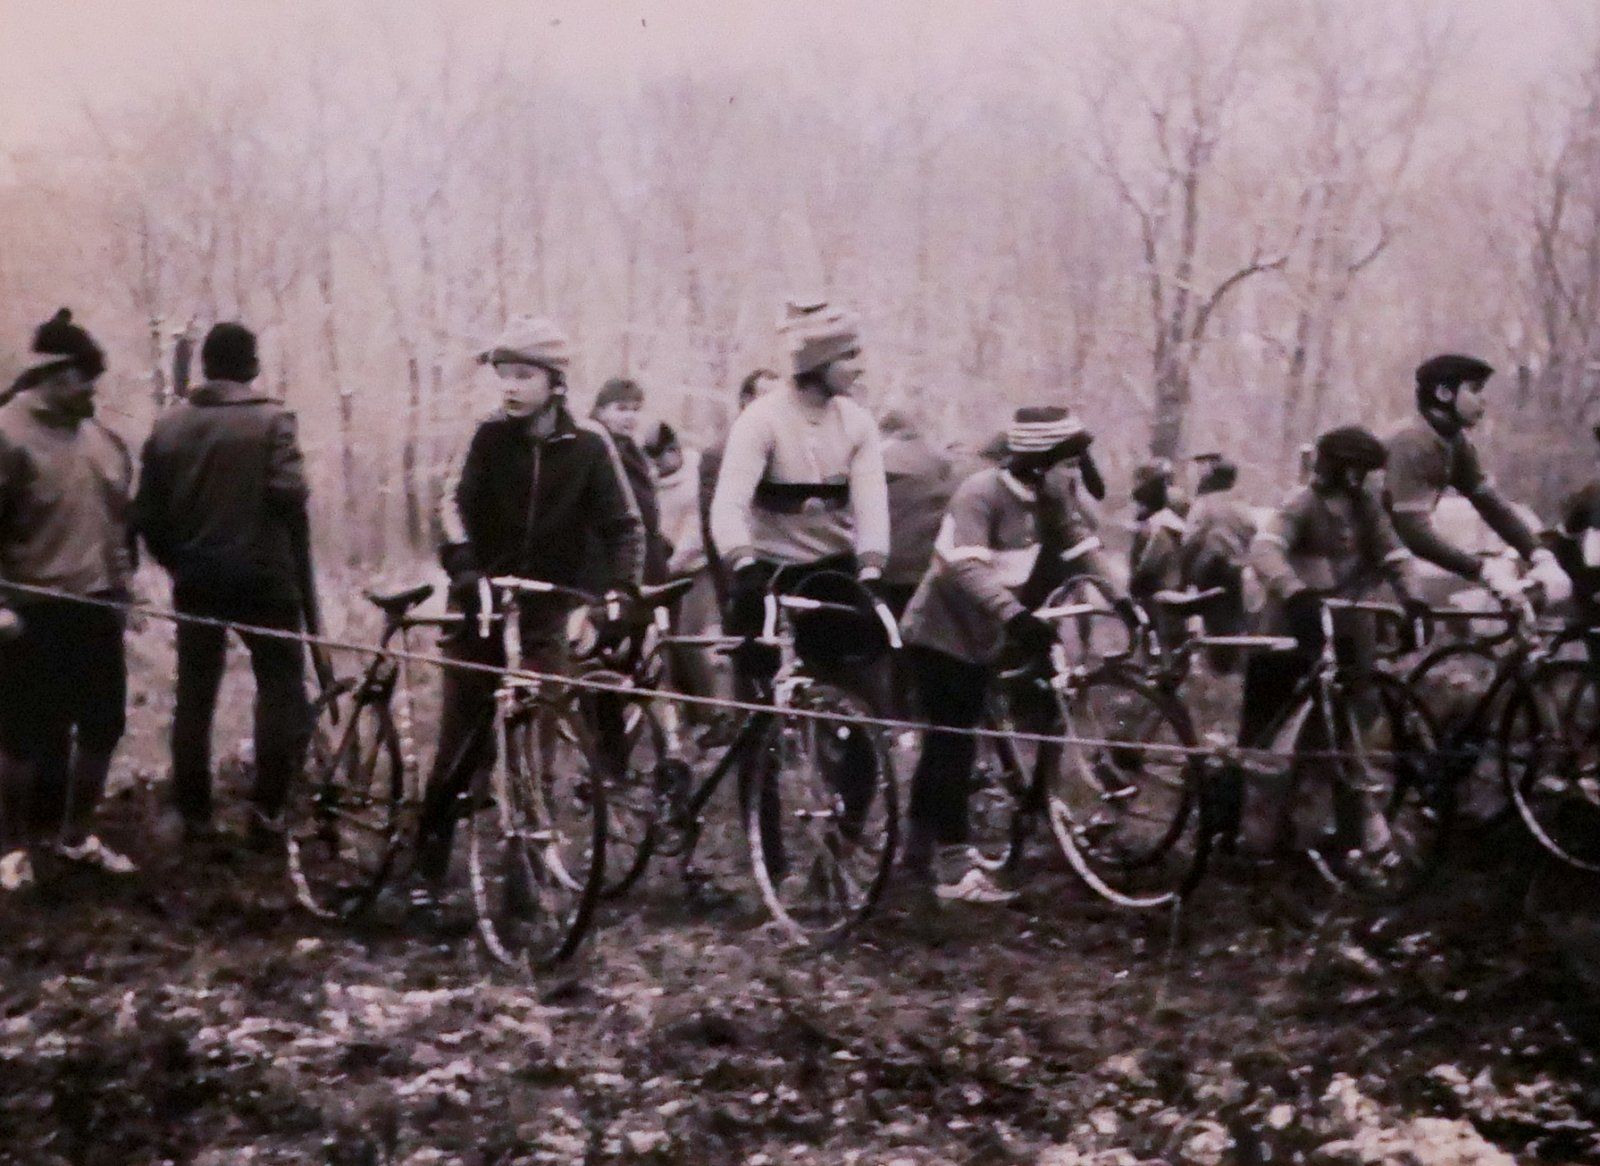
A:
189, 1015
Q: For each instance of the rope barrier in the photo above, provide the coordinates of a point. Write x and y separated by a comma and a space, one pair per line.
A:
1214, 751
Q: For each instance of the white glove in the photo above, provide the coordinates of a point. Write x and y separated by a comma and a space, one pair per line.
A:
1547, 573
1499, 575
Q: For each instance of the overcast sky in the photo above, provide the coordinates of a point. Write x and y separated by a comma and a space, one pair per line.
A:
57, 55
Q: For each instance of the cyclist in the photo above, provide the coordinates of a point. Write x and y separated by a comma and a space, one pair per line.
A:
965, 611
532, 483
1154, 561
801, 495
1330, 538
802, 482
1577, 548
1433, 453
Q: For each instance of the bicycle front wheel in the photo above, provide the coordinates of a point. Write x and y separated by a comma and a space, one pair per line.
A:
1123, 801
537, 849
342, 820
1550, 760
822, 814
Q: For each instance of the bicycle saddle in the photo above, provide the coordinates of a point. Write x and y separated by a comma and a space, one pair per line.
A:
666, 593
398, 603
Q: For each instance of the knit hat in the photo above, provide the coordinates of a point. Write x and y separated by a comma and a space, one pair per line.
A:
1041, 428
530, 340
1353, 446
618, 390
59, 337
229, 353
819, 333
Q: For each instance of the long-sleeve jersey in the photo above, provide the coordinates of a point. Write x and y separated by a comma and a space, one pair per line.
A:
1217, 541
801, 482
988, 546
1332, 543
1422, 464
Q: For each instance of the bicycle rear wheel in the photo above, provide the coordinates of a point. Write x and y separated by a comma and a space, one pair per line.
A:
821, 815
343, 818
633, 793
537, 850
1550, 760
1123, 801
1450, 681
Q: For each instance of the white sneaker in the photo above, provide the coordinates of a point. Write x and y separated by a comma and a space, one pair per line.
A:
16, 871
975, 886
92, 852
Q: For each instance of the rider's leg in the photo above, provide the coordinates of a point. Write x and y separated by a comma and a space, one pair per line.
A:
951, 693
99, 713
465, 746
1270, 680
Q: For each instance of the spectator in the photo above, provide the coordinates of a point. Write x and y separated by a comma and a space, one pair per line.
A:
752, 387
678, 492
222, 506
1214, 551
920, 486
618, 408
64, 499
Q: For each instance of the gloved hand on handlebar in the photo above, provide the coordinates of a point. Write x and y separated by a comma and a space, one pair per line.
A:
1032, 636
1499, 574
1131, 613
464, 586
618, 618
1419, 619
747, 600
1545, 571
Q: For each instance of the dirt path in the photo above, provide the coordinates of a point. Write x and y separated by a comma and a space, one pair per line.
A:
189, 1016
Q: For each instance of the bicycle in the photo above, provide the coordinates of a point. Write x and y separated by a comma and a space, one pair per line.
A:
536, 843
1366, 731
1101, 756
820, 843
349, 816
1542, 713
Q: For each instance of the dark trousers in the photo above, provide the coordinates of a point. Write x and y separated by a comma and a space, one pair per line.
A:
466, 743
63, 684
952, 694
282, 712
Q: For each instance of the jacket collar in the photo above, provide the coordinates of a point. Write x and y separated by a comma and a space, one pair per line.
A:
47, 414
219, 392
1018, 487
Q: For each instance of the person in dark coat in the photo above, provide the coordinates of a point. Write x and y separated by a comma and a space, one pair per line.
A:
222, 507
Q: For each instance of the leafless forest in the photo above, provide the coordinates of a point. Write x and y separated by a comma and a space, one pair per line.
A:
1201, 225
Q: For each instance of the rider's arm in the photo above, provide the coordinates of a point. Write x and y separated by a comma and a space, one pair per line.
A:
1415, 530
869, 495
616, 516
461, 497
1397, 563
966, 547
1155, 564
1082, 551
744, 460
1269, 551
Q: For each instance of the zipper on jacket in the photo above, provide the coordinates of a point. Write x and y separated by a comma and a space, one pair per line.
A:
533, 500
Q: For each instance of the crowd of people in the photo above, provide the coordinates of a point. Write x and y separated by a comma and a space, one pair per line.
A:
807, 485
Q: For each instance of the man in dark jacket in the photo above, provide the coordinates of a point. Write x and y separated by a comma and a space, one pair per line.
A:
222, 506
523, 499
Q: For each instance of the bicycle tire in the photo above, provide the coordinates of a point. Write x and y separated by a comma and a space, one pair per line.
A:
343, 819
1450, 681
1396, 761
1127, 817
824, 867
537, 839
1006, 791
1553, 779
632, 796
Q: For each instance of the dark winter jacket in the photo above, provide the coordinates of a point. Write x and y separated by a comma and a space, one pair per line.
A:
526, 505
222, 489
641, 483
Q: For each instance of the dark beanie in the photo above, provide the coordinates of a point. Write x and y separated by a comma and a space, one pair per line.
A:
616, 390
60, 337
229, 353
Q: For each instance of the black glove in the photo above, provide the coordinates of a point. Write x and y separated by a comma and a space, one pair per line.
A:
1090, 474
1302, 618
464, 586
1032, 636
747, 600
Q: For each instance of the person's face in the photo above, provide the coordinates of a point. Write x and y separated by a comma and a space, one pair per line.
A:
842, 373
525, 389
621, 418
69, 391
1340, 477
1470, 404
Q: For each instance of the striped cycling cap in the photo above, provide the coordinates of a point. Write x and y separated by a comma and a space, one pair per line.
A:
1036, 428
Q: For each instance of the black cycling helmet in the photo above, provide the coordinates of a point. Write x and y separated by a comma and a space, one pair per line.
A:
1351, 447
1439, 378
